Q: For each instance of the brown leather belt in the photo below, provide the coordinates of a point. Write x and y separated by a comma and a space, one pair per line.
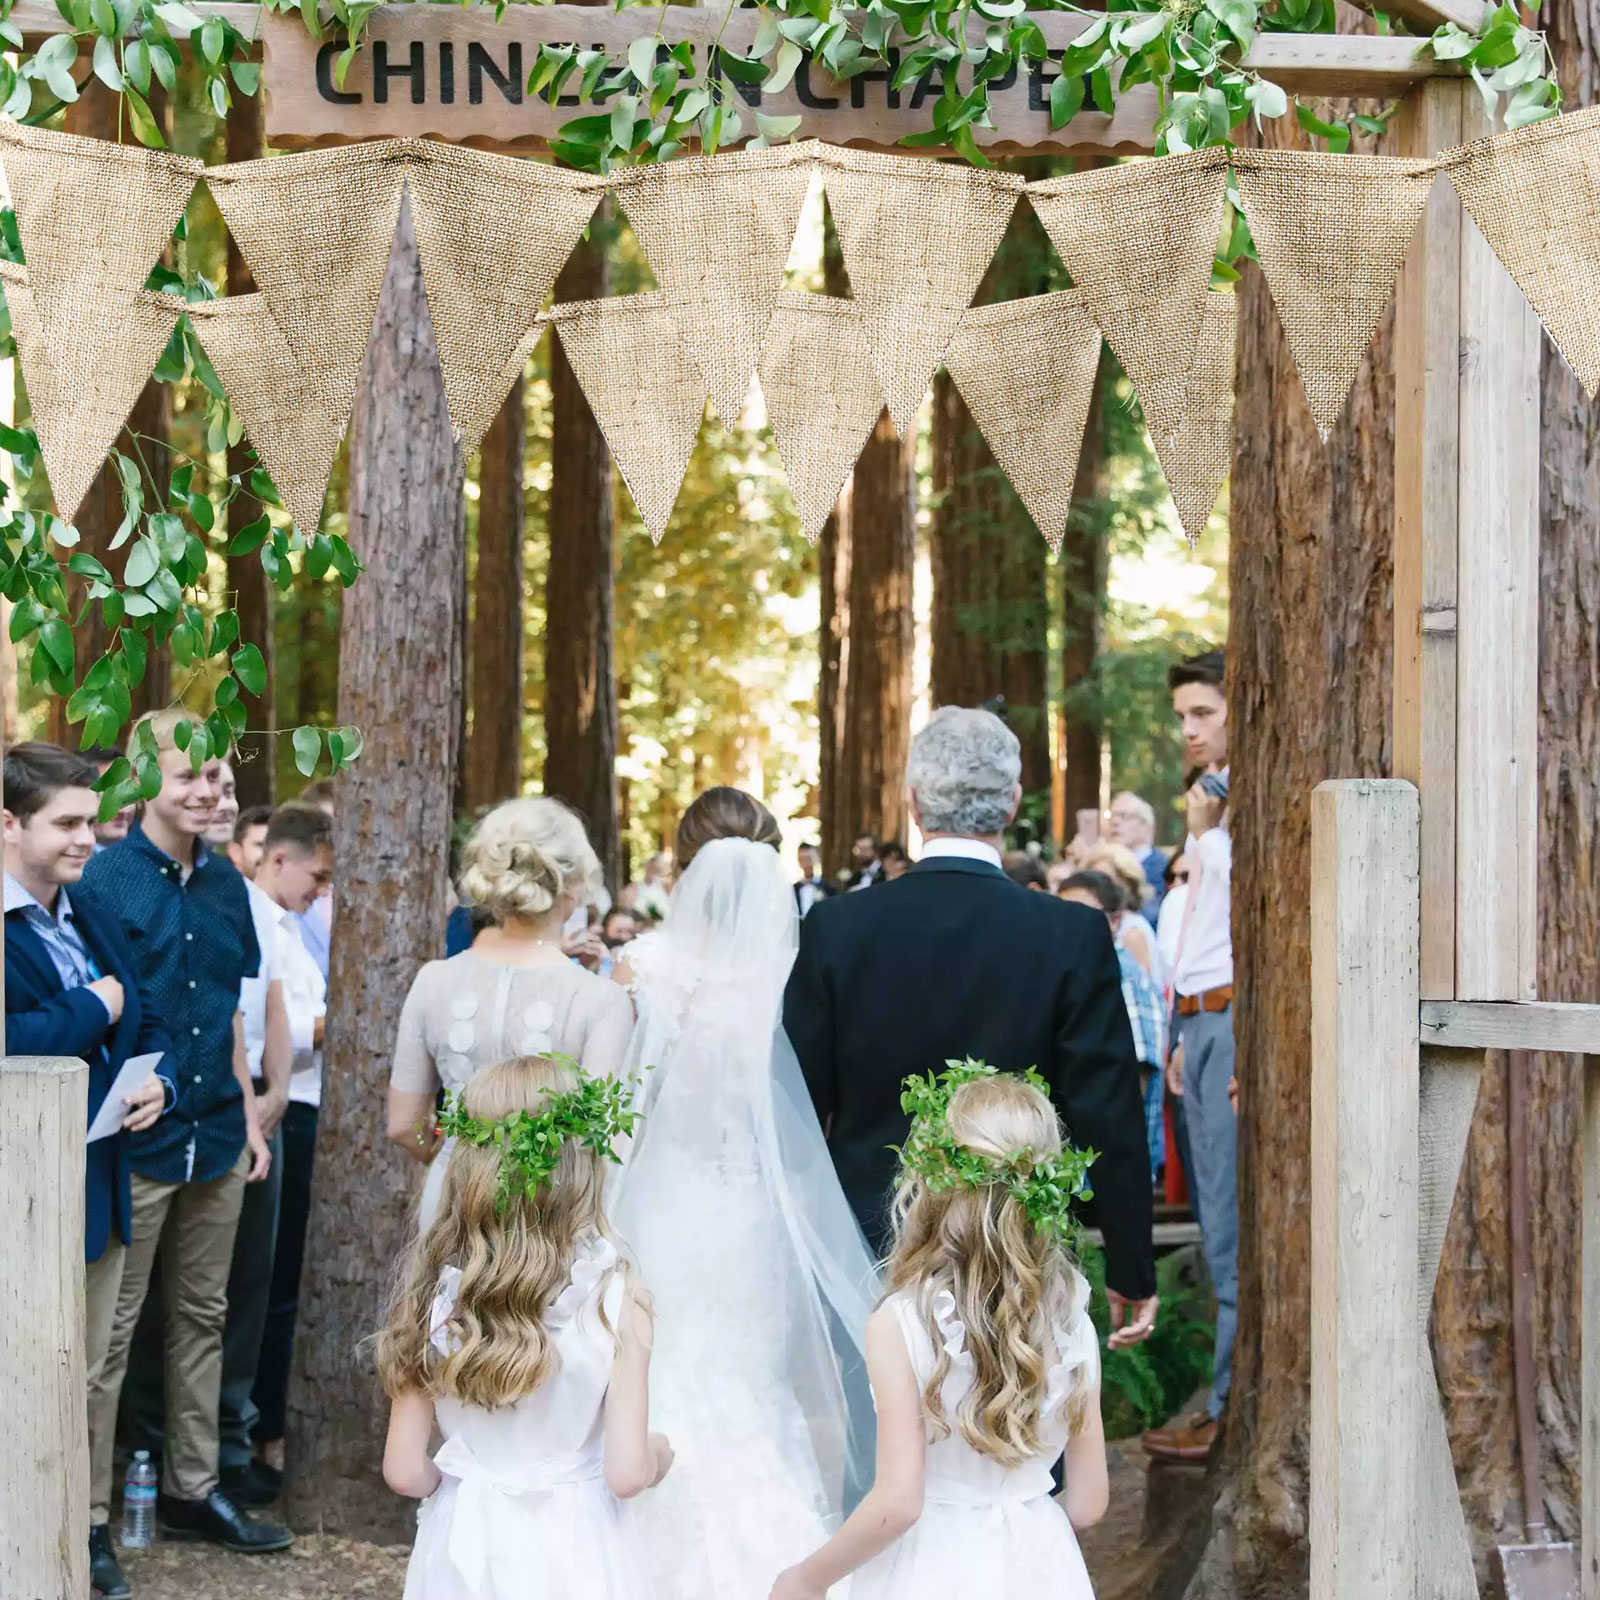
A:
1191, 1005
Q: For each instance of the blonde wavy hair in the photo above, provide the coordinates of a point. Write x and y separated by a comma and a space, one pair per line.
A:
1122, 867
514, 1260
523, 856
1014, 1286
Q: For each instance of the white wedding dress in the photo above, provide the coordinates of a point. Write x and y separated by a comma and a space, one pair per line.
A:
762, 1280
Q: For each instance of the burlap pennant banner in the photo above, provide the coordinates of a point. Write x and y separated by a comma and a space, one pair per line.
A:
717, 232
822, 398
917, 239
315, 229
493, 231
1331, 232
1139, 240
284, 417
1197, 455
1535, 194
1026, 370
81, 391
646, 392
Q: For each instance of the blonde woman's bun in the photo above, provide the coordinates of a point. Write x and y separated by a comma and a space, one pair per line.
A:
523, 857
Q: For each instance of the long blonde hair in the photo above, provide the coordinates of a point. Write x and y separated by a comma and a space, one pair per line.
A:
514, 1259
1015, 1289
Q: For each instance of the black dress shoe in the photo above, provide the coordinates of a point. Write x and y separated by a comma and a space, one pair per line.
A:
219, 1520
251, 1485
106, 1581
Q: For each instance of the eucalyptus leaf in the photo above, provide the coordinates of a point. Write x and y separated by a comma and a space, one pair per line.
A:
789, 57
307, 749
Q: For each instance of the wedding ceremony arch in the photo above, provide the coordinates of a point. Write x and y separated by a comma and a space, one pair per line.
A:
1423, 908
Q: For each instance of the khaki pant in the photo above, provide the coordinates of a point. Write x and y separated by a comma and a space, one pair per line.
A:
102, 1289
196, 1223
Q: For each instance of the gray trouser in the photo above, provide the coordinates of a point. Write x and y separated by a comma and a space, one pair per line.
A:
249, 1293
1207, 1040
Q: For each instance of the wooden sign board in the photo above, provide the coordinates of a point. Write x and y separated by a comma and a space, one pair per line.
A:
455, 73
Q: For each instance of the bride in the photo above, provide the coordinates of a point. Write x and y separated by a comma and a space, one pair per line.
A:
761, 1278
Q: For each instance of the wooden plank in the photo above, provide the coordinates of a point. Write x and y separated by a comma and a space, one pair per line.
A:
1589, 1356
1342, 63
1431, 14
1427, 338
1511, 1025
44, 1468
1364, 1190
1497, 607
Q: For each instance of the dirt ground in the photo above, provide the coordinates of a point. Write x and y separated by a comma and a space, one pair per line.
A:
323, 1568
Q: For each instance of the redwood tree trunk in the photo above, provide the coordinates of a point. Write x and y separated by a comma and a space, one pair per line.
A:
833, 583
492, 761
877, 725
1472, 1310
400, 682
248, 585
580, 696
1310, 574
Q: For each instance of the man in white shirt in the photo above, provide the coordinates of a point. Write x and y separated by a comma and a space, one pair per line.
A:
295, 872
812, 886
1201, 1071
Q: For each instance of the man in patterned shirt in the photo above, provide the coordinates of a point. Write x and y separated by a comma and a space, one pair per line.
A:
187, 918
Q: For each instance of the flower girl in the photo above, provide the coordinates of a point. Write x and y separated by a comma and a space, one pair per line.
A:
984, 1363
518, 1330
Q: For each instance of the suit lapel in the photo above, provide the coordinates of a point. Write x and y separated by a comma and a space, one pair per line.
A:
24, 946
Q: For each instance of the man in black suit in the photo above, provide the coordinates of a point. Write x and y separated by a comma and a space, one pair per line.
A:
812, 886
952, 960
72, 989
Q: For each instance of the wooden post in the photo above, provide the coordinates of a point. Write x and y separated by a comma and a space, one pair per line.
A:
1589, 1333
44, 1465
1364, 1185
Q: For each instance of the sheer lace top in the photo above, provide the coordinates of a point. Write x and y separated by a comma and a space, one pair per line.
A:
469, 1012
956, 1473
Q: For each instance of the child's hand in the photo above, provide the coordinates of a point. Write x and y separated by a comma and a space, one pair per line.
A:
664, 1457
793, 1584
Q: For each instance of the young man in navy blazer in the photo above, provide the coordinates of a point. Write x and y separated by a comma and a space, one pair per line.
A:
72, 990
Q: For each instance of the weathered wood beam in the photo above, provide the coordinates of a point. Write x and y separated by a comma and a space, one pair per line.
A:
1589, 1357
1511, 1025
1430, 14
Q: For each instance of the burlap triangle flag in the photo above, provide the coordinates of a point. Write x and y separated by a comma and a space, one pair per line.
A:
315, 230
1197, 455
1331, 232
81, 393
646, 392
288, 421
1139, 240
1026, 371
94, 218
717, 232
917, 239
822, 398
1535, 195
492, 231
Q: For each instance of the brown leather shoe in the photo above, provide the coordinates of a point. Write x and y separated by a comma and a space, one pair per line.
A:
1195, 1440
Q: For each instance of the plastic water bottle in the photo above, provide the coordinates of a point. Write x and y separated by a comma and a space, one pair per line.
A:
139, 1504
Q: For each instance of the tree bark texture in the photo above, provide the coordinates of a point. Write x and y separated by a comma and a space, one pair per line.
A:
833, 583
1472, 1309
580, 695
248, 586
1083, 565
877, 724
1310, 574
492, 760
400, 682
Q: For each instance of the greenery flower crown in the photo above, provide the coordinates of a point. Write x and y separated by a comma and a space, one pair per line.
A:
594, 1114
1045, 1186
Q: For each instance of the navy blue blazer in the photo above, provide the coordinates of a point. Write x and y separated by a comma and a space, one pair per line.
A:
43, 1019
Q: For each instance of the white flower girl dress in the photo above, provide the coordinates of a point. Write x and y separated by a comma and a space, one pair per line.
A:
523, 1512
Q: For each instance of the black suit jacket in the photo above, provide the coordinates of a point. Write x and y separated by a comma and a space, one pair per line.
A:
43, 1019
953, 959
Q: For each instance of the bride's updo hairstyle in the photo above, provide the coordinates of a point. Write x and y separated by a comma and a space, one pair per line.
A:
723, 813
515, 1258
1014, 1287
522, 857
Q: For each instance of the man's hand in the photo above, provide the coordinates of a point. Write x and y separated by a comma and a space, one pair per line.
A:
1204, 811
1125, 1332
260, 1155
587, 948
1175, 1072
110, 991
144, 1104
270, 1108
